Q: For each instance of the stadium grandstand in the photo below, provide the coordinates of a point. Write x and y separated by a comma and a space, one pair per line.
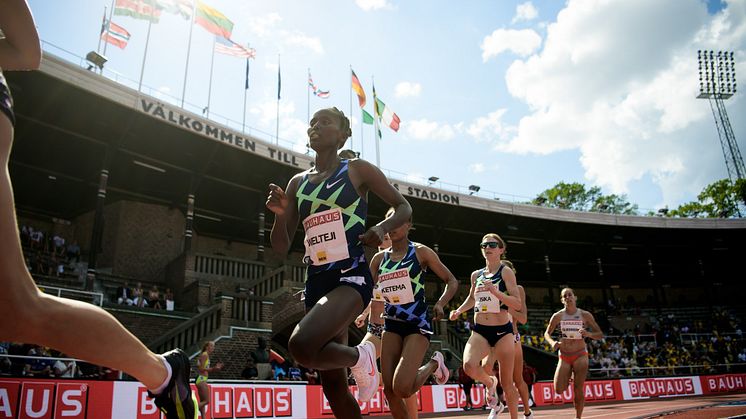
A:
132, 191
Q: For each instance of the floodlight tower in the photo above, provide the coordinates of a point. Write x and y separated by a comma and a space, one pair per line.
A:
717, 82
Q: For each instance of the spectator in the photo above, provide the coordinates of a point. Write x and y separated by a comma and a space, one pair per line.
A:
138, 295
529, 377
310, 375
37, 239
280, 373
66, 368
154, 297
36, 367
294, 372
250, 372
124, 294
261, 357
5, 363
169, 296
59, 245
73, 252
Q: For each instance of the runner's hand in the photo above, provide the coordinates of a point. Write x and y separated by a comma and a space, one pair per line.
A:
438, 312
454, 315
360, 321
277, 201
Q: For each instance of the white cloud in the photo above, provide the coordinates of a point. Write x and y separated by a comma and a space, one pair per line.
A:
490, 128
625, 97
369, 5
263, 26
422, 129
521, 42
302, 40
269, 27
525, 11
405, 89
476, 168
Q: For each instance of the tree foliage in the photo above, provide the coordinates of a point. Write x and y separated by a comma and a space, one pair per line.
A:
575, 196
720, 199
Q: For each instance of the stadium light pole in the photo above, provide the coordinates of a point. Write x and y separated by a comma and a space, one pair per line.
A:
717, 82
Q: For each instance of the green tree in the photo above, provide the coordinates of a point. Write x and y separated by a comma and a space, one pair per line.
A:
575, 196
720, 199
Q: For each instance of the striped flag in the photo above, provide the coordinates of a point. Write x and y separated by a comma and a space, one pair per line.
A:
228, 47
213, 21
358, 88
114, 34
387, 115
138, 9
324, 94
182, 8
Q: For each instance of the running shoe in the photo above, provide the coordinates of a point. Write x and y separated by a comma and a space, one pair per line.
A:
490, 394
366, 375
176, 400
441, 373
529, 416
497, 410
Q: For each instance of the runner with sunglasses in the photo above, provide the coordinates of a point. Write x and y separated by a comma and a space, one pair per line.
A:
493, 292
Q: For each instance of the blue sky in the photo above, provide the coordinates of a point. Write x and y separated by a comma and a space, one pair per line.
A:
513, 96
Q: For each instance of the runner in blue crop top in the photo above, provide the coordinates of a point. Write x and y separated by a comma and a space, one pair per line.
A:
330, 200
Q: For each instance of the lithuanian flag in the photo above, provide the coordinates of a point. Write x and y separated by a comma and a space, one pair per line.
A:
212, 20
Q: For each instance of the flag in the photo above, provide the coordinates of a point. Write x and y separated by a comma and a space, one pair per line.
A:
358, 88
367, 118
138, 9
247, 75
279, 82
387, 115
212, 20
182, 8
324, 94
228, 47
114, 34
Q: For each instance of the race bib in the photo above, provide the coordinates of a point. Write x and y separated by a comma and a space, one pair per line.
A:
325, 239
485, 301
396, 287
571, 329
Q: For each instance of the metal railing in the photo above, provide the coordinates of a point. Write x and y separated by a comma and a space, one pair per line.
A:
95, 298
228, 267
667, 370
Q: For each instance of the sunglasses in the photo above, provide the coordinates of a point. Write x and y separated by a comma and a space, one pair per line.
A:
491, 245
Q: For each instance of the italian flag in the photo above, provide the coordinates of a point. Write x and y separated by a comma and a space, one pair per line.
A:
213, 21
138, 9
387, 115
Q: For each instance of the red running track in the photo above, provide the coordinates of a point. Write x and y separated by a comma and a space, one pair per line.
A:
703, 407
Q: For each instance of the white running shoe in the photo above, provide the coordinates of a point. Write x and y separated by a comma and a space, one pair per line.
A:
497, 410
366, 375
490, 394
441, 373
529, 416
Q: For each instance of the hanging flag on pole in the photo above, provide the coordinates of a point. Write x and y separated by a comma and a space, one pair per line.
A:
367, 118
228, 47
114, 34
324, 94
182, 8
138, 9
212, 20
279, 81
358, 88
387, 115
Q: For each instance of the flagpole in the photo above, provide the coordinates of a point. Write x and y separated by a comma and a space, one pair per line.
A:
103, 27
189, 49
352, 140
209, 85
245, 91
308, 107
277, 124
375, 123
145, 54
111, 13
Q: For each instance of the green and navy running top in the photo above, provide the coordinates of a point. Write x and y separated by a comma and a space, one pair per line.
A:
497, 279
404, 301
333, 217
6, 100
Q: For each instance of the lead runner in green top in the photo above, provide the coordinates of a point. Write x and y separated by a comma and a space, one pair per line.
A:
331, 201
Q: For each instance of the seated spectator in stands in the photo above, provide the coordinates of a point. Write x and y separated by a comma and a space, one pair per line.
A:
250, 372
5, 363
66, 368
154, 297
138, 296
36, 367
124, 294
25, 235
294, 373
37, 239
169, 297
280, 373
261, 358
73, 252
59, 245
310, 375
